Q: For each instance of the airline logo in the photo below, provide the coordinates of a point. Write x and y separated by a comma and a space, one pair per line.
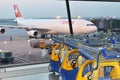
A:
17, 12
66, 22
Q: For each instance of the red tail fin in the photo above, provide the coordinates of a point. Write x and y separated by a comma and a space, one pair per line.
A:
17, 12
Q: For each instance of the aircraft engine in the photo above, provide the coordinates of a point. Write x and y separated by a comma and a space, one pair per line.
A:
2, 30
32, 33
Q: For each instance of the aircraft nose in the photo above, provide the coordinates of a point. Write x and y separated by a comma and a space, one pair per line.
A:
94, 28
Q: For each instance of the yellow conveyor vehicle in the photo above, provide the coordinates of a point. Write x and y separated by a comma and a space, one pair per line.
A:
81, 62
69, 66
59, 51
102, 64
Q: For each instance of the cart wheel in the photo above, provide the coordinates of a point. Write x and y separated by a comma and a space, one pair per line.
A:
49, 68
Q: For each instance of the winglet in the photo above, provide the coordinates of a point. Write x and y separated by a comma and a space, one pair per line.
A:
17, 12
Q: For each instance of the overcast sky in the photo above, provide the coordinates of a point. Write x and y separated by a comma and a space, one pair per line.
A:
52, 8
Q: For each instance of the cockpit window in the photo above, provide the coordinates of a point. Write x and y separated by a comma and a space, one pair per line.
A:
90, 25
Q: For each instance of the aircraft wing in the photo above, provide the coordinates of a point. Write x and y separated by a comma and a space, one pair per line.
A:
26, 27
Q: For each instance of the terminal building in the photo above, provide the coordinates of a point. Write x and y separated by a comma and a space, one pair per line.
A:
107, 24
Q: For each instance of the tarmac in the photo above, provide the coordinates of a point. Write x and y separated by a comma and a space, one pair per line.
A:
22, 51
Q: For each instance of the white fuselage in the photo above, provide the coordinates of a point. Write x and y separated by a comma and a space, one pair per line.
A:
58, 25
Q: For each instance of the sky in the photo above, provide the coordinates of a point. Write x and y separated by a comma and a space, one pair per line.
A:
53, 8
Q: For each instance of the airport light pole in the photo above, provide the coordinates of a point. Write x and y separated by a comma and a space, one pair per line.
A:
69, 17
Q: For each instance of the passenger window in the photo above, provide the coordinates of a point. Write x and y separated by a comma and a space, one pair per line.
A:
90, 25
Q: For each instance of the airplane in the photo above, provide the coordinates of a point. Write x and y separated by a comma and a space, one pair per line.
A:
52, 26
